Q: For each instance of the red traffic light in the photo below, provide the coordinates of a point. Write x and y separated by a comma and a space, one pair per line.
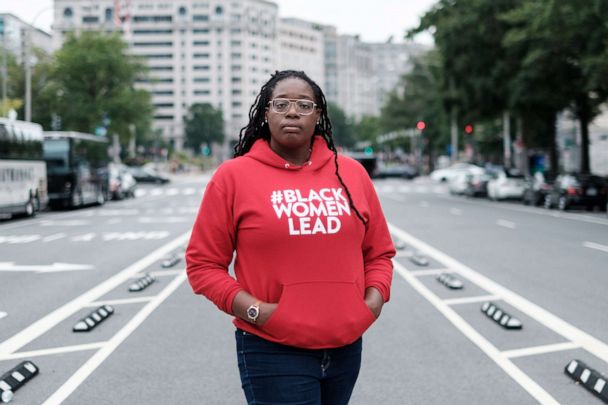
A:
468, 129
420, 125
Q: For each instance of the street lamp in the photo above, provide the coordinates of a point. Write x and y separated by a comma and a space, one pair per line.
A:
28, 68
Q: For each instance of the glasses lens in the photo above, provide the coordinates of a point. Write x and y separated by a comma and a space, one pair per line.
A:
303, 107
280, 105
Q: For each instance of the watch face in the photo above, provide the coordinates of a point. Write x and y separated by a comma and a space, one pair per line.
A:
252, 312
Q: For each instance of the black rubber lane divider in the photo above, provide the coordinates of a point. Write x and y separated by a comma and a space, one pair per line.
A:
500, 317
170, 261
419, 259
90, 321
450, 281
14, 379
141, 283
589, 378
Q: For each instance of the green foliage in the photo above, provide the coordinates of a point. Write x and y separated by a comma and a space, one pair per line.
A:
204, 124
93, 77
342, 126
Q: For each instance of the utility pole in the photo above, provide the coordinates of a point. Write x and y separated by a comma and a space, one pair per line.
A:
4, 68
506, 138
28, 75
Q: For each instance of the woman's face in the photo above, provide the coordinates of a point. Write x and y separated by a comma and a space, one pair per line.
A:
290, 131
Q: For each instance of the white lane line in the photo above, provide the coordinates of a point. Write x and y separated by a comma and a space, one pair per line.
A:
455, 211
123, 301
488, 348
53, 237
596, 246
534, 350
160, 273
428, 272
505, 223
404, 189
471, 300
2, 314
546, 318
404, 254
140, 192
172, 191
189, 191
55, 350
67, 222
99, 357
41, 326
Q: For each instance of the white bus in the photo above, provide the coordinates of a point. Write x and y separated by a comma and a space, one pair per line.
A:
23, 184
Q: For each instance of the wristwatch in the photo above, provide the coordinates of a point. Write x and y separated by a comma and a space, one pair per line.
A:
253, 312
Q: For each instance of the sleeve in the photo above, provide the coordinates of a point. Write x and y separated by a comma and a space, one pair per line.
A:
211, 247
378, 248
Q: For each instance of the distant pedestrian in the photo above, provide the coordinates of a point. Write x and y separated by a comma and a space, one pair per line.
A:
313, 252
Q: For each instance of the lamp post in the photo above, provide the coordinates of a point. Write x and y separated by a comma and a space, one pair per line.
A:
28, 68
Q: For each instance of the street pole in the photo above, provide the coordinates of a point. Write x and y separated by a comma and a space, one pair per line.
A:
28, 68
454, 131
506, 138
4, 69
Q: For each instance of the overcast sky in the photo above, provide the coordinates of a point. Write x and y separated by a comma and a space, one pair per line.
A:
373, 20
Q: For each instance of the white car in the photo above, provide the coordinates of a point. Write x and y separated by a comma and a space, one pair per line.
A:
459, 182
506, 184
443, 175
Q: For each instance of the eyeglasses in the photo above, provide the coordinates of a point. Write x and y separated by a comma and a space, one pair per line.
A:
282, 105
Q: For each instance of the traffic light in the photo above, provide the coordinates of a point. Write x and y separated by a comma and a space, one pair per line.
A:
420, 125
468, 129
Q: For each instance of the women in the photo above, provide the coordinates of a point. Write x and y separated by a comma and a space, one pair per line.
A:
313, 253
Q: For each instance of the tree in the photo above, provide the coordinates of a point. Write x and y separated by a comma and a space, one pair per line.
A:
204, 125
93, 79
341, 125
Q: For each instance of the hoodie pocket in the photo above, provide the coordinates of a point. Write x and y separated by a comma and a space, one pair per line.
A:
319, 315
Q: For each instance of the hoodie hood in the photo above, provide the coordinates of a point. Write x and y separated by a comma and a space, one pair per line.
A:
319, 157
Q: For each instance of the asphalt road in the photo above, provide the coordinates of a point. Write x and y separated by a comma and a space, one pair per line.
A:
432, 345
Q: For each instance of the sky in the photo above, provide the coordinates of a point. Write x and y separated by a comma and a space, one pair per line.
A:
373, 20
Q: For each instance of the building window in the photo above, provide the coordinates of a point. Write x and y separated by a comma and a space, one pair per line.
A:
89, 19
201, 92
67, 12
162, 68
195, 43
200, 17
163, 117
201, 31
219, 10
201, 67
163, 105
109, 14
163, 93
201, 80
168, 43
201, 55
182, 11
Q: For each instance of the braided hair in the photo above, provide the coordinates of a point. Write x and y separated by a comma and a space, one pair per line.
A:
256, 129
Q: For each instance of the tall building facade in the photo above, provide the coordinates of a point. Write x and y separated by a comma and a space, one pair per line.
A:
216, 51
301, 47
14, 34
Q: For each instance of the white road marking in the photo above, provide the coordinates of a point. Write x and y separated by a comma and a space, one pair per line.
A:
428, 272
172, 191
597, 246
156, 192
455, 211
546, 318
140, 192
55, 350
15, 239
471, 300
41, 326
87, 237
53, 237
3, 314
404, 189
99, 357
531, 351
421, 189
123, 301
115, 213
189, 191
163, 220
488, 348
71, 222
506, 224
135, 235
47, 268
160, 273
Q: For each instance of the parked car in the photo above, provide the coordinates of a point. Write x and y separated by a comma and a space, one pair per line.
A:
147, 176
443, 175
400, 170
458, 183
583, 190
477, 184
122, 183
506, 183
536, 188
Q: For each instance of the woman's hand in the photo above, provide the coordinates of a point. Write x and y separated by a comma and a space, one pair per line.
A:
244, 300
374, 301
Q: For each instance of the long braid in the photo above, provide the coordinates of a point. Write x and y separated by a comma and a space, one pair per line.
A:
256, 128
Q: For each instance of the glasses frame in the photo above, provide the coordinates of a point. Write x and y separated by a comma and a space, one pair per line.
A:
292, 101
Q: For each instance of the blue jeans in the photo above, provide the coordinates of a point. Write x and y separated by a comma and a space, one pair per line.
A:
273, 374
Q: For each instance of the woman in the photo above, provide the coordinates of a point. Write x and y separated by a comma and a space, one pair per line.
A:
313, 253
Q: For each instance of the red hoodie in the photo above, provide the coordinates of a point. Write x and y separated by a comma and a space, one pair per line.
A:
298, 243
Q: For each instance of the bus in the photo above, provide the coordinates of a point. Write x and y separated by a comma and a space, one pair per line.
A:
77, 168
23, 182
